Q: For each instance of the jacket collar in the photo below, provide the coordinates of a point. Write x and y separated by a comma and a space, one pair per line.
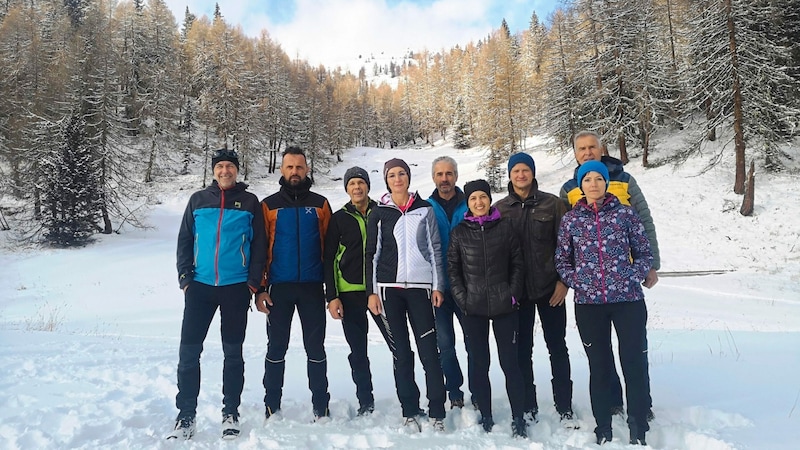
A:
532, 197
295, 192
493, 216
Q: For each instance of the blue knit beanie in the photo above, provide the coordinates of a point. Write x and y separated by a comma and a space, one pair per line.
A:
524, 158
591, 166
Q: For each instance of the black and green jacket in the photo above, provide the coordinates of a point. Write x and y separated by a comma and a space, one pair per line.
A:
344, 251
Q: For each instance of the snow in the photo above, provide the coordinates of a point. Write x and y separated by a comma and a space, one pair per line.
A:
724, 358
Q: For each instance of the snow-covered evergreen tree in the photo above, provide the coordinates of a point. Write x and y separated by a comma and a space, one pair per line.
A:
70, 200
461, 132
736, 74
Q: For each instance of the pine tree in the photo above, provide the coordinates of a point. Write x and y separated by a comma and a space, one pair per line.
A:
736, 75
566, 86
70, 196
159, 81
500, 125
461, 134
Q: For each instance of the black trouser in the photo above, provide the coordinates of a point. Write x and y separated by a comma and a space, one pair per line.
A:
630, 322
413, 305
616, 385
201, 303
505, 334
554, 328
446, 341
309, 300
356, 327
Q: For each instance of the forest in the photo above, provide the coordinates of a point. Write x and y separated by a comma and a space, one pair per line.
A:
99, 99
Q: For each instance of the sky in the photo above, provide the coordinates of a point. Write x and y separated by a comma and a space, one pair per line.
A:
336, 32
723, 348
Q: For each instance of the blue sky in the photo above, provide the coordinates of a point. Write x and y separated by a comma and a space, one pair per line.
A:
336, 32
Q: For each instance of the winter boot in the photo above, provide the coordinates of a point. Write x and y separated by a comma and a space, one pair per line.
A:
230, 426
603, 436
184, 428
487, 423
519, 427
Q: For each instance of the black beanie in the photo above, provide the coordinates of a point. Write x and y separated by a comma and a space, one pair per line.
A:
477, 185
224, 154
356, 172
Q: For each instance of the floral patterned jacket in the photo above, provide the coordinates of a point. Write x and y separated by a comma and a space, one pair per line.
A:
603, 252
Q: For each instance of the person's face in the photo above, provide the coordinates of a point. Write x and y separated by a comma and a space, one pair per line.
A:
587, 148
225, 173
521, 176
357, 190
594, 187
479, 203
294, 169
397, 179
445, 178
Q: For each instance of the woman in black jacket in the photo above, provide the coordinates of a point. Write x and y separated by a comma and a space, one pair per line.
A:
485, 267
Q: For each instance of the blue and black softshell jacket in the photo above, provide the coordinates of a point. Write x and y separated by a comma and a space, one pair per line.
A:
296, 221
222, 240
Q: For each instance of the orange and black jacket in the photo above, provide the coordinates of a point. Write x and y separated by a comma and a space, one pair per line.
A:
296, 220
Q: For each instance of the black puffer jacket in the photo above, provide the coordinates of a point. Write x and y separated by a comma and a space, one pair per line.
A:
485, 266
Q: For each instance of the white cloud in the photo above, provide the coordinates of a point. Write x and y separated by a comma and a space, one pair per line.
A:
336, 32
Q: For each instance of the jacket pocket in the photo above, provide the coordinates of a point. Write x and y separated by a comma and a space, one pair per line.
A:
542, 226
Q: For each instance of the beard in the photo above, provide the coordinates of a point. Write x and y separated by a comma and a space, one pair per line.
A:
444, 187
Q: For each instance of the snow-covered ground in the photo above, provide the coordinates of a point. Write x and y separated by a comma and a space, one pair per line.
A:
724, 349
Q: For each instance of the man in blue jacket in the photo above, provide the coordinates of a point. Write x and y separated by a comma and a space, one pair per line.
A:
449, 205
220, 258
296, 220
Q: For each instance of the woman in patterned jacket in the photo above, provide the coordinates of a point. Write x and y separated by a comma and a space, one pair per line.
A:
604, 255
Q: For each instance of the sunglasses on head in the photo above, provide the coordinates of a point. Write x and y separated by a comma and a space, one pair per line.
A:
224, 153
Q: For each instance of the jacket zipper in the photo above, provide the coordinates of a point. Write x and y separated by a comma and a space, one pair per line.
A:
485, 270
299, 253
219, 232
600, 252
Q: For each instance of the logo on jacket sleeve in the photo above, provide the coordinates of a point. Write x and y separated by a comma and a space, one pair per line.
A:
237, 205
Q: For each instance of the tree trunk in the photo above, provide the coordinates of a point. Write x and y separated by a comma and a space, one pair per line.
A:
623, 148
738, 115
673, 59
749, 194
148, 175
107, 228
3, 222
645, 145
273, 160
711, 134
206, 161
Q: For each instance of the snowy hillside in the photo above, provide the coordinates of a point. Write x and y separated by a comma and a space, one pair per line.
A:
724, 359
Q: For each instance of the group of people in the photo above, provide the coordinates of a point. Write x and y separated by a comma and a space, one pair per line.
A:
406, 260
